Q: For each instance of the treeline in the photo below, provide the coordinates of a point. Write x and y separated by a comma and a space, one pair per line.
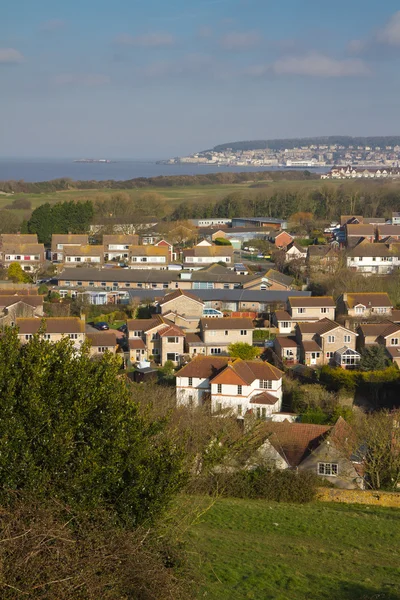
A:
326, 203
65, 217
63, 184
341, 140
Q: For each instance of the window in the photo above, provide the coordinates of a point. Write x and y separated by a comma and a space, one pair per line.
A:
172, 340
165, 286
329, 354
226, 286
285, 324
265, 384
261, 413
347, 339
47, 336
91, 283
156, 351
330, 469
28, 336
324, 310
154, 336
394, 342
301, 311
226, 332
174, 356
219, 388
79, 283
243, 332
127, 284
331, 339
381, 310
190, 381
73, 336
215, 350
101, 349
239, 390
360, 310
137, 334
103, 283
239, 410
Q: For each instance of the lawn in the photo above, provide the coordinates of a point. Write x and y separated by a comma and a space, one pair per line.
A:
259, 550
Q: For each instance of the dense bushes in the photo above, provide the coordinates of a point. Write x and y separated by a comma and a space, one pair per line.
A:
262, 483
337, 379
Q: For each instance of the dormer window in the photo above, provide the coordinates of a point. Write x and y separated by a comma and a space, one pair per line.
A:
360, 310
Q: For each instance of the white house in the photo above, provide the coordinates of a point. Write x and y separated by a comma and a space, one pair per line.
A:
371, 258
242, 386
148, 257
205, 254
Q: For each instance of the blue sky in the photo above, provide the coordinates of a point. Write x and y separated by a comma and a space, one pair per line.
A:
161, 78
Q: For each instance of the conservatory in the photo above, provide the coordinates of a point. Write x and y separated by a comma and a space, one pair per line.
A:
347, 358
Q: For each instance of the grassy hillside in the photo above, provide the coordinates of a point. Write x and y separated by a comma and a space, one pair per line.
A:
260, 550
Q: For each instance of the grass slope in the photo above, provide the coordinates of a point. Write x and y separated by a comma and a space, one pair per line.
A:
265, 551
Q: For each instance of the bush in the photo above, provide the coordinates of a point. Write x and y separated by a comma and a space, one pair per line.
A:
263, 483
222, 242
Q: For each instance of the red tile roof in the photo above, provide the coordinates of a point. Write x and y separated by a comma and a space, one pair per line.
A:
59, 325
178, 294
311, 301
226, 323
137, 344
264, 398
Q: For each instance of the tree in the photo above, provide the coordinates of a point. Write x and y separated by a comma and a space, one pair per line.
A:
70, 430
16, 273
243, 351
373, 358
9, 223
378, 437
222, 242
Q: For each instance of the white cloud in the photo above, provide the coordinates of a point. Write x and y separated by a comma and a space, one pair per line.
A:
10, 56
390, 34
52, 25
240, 40
81, 79
319, 65
148, 40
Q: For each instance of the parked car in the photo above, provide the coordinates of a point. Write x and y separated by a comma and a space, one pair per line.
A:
101, 326
123, 329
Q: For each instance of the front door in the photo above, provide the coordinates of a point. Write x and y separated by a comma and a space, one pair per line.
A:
313, 358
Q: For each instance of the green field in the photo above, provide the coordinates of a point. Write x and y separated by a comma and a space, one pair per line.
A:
260, 550
173, 195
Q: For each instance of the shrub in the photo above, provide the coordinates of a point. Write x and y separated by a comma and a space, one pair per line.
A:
263, 483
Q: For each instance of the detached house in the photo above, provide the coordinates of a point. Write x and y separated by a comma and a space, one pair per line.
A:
216, 334
322, 449
370, 258
116, 247
148, 257
15, 306
361, 305
295, 252
54, 329
271, 280
386, 334
323, 258
156, 338
205, 255
30, 256
303, 309
388, 231
281, 239
101, 342
326, 342
182, 308
86, 254
60, 240
357, 231
238, 385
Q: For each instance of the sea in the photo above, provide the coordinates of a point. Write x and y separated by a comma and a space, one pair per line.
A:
46, 169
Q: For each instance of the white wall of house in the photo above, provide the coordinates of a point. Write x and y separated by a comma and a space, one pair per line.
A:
187, 395
374, 264
82, 259
312, 313
204, 260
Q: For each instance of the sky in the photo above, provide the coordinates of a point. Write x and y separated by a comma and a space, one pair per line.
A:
165, 78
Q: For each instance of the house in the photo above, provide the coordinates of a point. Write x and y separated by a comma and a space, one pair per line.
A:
358, 231
321, 449
17, 306
395, 218
101, 342
216, 334
156, 338
164, 244
388, 231
324, 258
311, 308
371, 258
386, 334
182, 308
241, 386
283, 321
295, 252
52, 329
86, 254
202, 255
60, 240
365, 305
271, 280
116, 246
30, 256
148, 257
287, 349
281, 239
326, 342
